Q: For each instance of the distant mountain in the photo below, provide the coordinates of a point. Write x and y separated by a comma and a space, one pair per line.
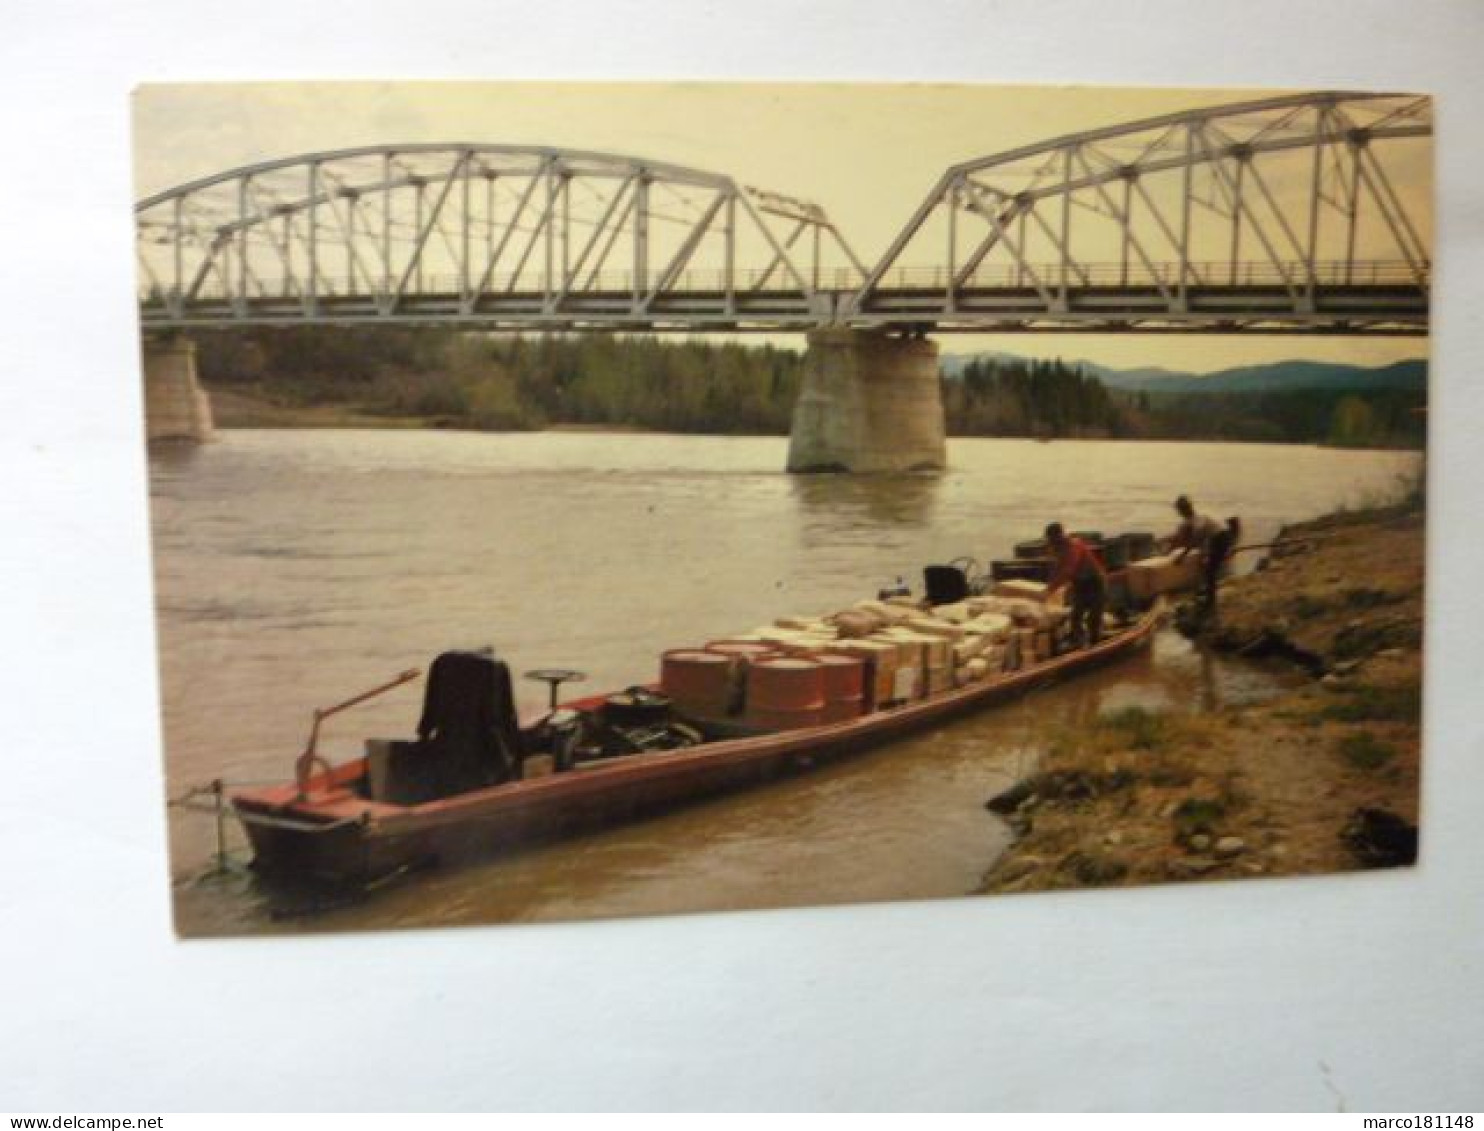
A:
1132, 378
1282, 376
954, 364
1277, 376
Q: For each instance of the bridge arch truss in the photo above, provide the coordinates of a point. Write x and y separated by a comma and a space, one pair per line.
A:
486, 235
1306, 213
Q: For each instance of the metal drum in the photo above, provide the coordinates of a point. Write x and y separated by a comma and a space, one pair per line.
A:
697, 681
749, 650
844, 687
743, 653
785, 693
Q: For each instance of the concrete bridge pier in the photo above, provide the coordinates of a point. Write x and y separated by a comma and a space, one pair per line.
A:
869, 402
175, 405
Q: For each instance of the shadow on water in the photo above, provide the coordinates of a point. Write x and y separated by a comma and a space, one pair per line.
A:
905, 499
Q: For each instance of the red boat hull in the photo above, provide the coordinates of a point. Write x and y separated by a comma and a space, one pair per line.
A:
335, 835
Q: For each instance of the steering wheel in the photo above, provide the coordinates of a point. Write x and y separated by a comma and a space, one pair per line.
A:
554, 678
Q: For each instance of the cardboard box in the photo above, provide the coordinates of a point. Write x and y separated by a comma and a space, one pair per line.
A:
1153, 576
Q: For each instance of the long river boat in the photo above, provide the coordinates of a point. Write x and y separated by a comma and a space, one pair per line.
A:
508, 782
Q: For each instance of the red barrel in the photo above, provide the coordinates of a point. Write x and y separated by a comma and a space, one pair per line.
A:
843, 676
844, 686
698, 682
744, 653
785, 692
748, 650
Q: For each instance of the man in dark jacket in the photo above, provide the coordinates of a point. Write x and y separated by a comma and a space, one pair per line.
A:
1211, 540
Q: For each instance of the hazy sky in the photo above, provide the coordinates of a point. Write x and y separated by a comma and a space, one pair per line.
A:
867, 153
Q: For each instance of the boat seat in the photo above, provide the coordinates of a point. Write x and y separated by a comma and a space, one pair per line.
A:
468, 735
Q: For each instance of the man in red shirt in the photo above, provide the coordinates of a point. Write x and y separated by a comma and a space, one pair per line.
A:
1077, 564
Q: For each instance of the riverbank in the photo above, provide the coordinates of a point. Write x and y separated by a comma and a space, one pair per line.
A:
236, 408
240, 407
694, 406
1321, 779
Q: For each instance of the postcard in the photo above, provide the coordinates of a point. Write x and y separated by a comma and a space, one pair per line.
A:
578, 501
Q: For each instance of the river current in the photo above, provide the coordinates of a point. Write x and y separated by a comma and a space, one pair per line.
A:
297, 568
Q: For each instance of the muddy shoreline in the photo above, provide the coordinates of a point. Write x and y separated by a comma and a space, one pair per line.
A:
1323, 778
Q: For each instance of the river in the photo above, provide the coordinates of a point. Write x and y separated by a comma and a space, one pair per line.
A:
295, 568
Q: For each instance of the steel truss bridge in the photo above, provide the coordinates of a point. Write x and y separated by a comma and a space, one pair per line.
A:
1301, 214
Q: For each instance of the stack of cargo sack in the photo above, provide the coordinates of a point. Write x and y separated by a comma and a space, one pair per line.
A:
803, 671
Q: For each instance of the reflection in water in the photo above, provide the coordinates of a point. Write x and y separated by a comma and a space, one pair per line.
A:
295, 568
867, 501
169, 458
1210, 697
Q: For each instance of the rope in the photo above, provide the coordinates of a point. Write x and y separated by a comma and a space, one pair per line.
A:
209, 790
191, 801
1284, 543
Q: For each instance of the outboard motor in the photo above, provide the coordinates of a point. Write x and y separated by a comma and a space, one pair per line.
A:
636, 707
639, 720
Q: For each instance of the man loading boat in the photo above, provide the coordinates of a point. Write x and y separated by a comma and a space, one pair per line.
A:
1206, 536
1077, 565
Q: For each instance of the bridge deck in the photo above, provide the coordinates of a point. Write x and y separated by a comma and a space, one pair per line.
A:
1362, 309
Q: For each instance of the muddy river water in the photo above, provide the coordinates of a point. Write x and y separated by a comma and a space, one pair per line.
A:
296, 568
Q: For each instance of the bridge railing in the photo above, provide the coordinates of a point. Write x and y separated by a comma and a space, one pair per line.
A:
1170, 276
622, 283
1202, 273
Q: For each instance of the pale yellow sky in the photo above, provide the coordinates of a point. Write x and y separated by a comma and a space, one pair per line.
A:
867, 153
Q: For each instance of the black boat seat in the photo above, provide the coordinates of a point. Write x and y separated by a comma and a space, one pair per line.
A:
468, 735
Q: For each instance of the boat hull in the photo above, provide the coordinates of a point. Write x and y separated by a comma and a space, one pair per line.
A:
335, 836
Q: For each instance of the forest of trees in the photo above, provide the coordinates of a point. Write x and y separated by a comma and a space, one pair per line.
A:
510, 382
1372, 419
513, 382
1036, 398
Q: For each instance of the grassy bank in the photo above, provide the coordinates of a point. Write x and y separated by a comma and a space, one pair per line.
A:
252, 408
1322, 779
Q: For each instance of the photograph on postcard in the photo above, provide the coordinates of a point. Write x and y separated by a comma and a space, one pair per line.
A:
576, 501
